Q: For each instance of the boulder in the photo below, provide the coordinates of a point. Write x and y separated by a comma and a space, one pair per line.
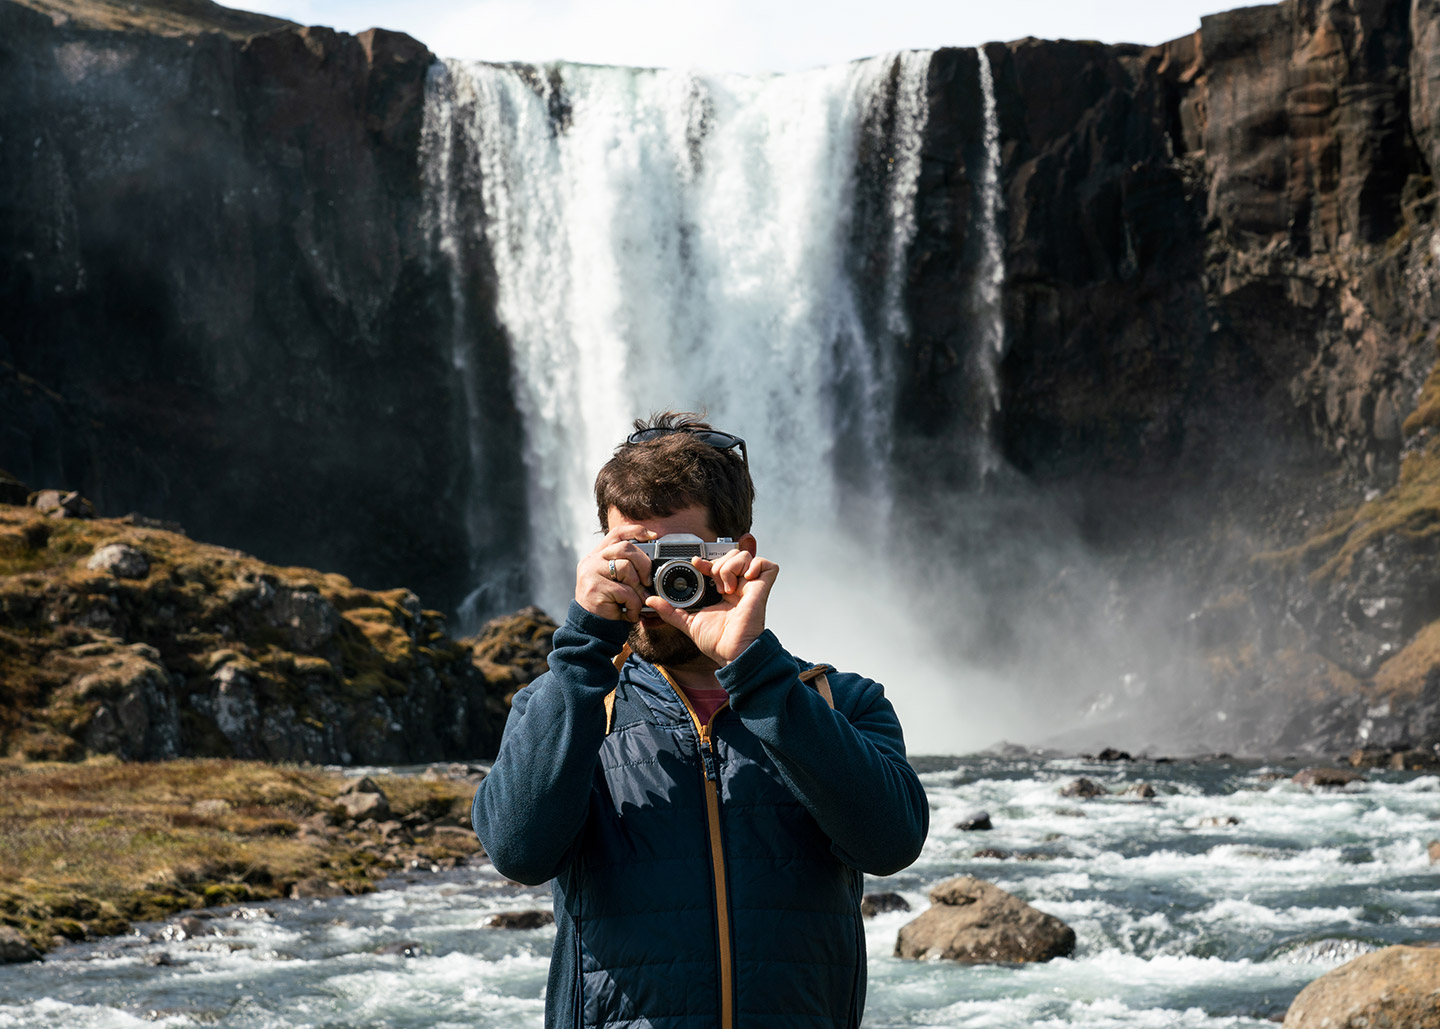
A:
187, 928
975, 922
62, 504
1142, 790
873, 904
402, 949
14, 947
520, 920
1083, 788
1111, 754
1326, 777
316, 888
1416, 759
1434, 852
365, 806
121, 560
1398, 987
975, 821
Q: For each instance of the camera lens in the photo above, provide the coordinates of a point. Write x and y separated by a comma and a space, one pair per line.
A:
680, 583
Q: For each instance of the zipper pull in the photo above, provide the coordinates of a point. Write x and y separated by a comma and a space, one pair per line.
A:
708, 758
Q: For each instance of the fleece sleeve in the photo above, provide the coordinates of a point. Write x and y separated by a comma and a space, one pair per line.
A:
530, 809
846, 766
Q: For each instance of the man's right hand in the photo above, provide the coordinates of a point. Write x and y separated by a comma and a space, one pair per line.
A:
621, 598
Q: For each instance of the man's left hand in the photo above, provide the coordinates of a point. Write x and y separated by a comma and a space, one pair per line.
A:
723, 631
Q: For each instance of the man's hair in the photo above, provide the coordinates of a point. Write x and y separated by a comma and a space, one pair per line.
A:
657, 477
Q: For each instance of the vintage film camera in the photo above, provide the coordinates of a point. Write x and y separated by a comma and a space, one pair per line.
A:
675, 578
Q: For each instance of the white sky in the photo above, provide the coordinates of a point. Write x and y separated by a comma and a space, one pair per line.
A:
738, 35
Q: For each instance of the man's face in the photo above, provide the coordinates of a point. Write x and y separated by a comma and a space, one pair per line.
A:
652, 639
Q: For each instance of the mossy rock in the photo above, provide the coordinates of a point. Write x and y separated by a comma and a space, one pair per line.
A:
221, 894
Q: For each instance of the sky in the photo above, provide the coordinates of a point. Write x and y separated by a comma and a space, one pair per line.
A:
738, 35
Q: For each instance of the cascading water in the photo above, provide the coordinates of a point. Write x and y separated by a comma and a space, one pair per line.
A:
661, 239
731, 244
990, 276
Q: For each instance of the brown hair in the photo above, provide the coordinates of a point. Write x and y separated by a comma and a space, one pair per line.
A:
657, 477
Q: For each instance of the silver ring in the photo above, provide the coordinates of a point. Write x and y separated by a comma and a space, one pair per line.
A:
612, 569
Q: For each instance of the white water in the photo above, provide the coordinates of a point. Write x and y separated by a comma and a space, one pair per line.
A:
990, 277
666, 240
1179, 924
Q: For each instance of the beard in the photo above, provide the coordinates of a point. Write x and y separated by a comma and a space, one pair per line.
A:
664, 645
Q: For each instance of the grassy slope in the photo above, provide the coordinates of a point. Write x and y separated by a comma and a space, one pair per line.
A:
194, 611
85, 849
160, 17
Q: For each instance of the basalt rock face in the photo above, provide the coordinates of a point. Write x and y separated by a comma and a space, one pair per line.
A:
1221, 311
225, 306
220, 299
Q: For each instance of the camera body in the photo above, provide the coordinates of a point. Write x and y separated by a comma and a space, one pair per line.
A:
674, 577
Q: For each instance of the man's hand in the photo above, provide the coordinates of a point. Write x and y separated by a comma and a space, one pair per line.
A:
612, 580
723, 631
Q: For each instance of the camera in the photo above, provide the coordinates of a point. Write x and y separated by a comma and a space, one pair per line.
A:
675, 578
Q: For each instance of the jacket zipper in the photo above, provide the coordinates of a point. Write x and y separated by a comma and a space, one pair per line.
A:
710, 768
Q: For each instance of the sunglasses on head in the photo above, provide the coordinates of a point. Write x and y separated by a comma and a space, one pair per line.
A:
717, 439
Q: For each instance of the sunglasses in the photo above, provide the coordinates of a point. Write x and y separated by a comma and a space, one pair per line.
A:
717, 439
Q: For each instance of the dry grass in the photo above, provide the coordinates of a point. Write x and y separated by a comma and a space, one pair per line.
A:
87, 848
160, 17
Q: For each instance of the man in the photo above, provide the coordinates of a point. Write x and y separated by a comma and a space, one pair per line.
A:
706, 803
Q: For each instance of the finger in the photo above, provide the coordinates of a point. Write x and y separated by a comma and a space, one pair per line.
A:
626, 530
669, 613
626, 550
629, 602
732, 569
760, 568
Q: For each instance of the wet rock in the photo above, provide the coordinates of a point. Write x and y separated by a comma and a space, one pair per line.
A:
520, 920
992, 853
15, 948
316, 888
1143, 790
186, 928
1415, 759
121, 560
1396, 987
873, 904
1434, 851
403, 949
1324, 778
1111, 754
976, 821
1083, 788
975, 922
1213, 822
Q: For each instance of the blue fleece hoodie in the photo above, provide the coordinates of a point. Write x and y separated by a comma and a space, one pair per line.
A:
702, 879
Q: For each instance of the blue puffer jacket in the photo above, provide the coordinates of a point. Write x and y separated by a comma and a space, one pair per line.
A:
703, 880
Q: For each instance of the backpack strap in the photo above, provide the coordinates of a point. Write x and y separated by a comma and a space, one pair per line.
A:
815, 676
620, 659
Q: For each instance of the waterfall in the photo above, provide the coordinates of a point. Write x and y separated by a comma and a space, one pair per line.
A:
990, 275
663, 239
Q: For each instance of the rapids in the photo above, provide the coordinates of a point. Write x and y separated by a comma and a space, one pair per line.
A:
1182, 919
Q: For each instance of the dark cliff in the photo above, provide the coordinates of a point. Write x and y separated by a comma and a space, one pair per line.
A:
1220, 310
220, 302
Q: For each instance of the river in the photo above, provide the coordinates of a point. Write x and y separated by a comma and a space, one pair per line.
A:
1207, 907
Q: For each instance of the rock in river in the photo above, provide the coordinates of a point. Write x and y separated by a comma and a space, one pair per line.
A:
975, 922
1397, 987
